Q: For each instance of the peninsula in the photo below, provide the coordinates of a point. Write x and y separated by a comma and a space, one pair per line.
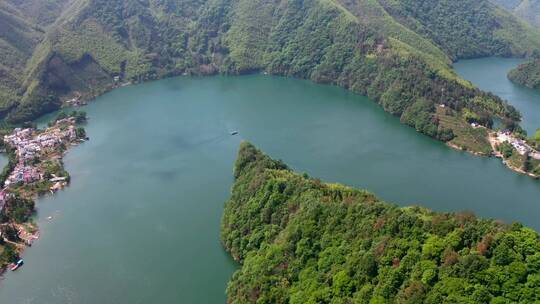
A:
518, 153
527, 74
510, 143
35, 168
300, 240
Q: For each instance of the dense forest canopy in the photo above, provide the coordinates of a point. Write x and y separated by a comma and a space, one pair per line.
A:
304, 241
396, 52
527, 74
463, 29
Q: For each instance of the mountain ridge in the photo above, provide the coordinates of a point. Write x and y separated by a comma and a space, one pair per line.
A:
529, 10
372, 47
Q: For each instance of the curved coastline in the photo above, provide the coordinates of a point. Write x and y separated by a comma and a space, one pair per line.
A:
225, 103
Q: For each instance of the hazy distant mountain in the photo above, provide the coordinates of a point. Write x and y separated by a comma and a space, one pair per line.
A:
39, 12
526, 9
508, 4
529, 10
527, 74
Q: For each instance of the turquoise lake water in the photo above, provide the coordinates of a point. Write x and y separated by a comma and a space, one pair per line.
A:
140, 220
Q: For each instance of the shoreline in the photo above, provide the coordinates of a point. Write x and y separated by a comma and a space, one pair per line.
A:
35, 169
459, 148
494, 142
495, 153
77, 99
28, 237
84, 100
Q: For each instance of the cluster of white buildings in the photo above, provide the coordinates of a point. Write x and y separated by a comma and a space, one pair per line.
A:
519, 144
30, 146
76, 102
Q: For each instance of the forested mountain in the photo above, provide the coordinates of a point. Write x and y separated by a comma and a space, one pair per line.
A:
396, 52
23, 25
527, 74
40, 12
18, 38
507, 4
526, 9
303, 241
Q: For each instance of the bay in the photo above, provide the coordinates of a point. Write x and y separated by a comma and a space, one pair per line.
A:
140, 220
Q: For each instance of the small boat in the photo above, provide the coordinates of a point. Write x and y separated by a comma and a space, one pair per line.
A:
234, 132
17, 265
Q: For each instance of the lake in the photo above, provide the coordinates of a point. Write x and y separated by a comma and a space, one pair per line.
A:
140, 220
490, 74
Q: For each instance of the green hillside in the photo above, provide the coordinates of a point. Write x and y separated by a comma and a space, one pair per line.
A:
300, 240
396, 52
18, 38
39, 12
466, 28
527, 74
530, 11
23, 26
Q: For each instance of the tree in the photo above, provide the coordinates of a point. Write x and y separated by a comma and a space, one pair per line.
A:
8, 254
433, 247
506, 149
470, 116
10, 233
61, 115
445, 134
536, 139
81, 133
526, 162
80, 116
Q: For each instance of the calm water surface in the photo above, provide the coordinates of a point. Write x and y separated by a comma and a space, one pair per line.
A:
140, 221
3, 160
490, 74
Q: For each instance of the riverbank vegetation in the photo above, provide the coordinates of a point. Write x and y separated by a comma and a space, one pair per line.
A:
465, 136
527, 74
300, 240
79, 116
522, 163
